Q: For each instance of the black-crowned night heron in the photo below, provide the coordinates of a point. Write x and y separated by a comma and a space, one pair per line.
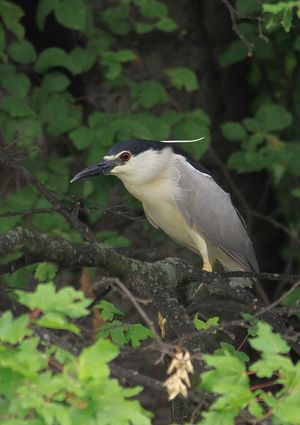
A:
181, 197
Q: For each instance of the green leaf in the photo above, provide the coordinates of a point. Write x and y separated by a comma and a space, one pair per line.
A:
13, 330
267, 341
235, 53
93, 360
44, 8
11, 14
113, 60
118, 332
278, 7
287, 20
108, 310
30, 130
166, 25
22, 52
247, 161
294, 297
67, 301
82, 137
287, 410
113, 239
234, 131
56, 321
45, 272
81, 59
158, 127
252, 125
271, 363
255, 409
148, 94
137, 333
229, 373
296, 192
225, 347
26, 359
183, 78
192, 127
218, 418
15, 107
16, 84
201, 325
153, 9
128, 126
51, 58
247, 7
273, 117
56, 82
143, 28
61, 115
122, 55
117, 19
71, 14
113, 69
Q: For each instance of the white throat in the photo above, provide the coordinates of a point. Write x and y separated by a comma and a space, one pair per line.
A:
144, 167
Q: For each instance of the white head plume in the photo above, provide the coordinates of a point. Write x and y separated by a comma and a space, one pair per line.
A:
183, 141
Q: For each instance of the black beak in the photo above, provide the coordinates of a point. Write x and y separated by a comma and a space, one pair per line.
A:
103, 167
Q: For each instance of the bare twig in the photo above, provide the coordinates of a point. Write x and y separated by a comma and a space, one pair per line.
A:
233, 15
278, 225
278, 301
135, 303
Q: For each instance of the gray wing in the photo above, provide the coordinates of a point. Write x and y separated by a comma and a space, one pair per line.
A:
208, 208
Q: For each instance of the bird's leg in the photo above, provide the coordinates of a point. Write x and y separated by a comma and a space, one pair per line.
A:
162, 321
202, 246
206, 265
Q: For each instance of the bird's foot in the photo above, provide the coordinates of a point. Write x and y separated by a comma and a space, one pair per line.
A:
207, 266
162, 324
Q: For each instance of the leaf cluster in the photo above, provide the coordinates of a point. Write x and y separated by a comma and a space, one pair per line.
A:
237, 397
42, 383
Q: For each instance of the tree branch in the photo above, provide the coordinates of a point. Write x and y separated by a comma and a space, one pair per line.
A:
163, 281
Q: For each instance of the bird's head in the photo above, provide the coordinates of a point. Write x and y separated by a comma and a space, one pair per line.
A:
135, 161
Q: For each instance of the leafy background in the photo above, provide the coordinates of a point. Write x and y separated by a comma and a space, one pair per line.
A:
76, 76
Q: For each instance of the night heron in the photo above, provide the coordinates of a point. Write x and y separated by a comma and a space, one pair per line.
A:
181, 197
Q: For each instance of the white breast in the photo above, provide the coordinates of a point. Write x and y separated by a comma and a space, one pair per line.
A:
158, 201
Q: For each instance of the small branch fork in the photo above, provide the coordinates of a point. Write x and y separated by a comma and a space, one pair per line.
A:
234, 15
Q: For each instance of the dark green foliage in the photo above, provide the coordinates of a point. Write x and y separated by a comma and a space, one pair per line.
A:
43, 105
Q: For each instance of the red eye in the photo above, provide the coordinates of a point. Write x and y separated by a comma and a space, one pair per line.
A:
125, 156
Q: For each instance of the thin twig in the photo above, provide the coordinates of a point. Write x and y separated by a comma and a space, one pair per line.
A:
233, 14
278, 225
135, 303
278, 301
14, 161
